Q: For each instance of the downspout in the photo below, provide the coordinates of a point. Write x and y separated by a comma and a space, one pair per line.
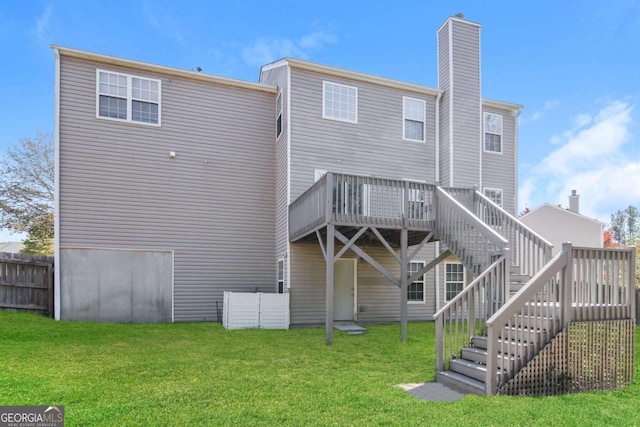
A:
56, 203
437, 181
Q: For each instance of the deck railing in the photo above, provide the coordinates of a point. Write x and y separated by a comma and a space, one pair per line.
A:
529, 250
577, 284
362, 200
474, 243
465, 315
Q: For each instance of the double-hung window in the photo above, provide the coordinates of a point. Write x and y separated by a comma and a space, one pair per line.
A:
415, 289
494, 194
128, 98
493, 132
413, 119
339, 102
492, 216
454, 280
280, 277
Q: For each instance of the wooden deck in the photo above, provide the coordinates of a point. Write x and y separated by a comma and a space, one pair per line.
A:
350, 202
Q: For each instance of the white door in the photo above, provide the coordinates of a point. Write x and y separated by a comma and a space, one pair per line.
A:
344, 289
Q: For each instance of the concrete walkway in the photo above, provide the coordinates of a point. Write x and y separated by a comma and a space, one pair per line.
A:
435, 392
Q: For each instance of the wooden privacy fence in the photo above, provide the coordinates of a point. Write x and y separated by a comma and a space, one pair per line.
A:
26, 283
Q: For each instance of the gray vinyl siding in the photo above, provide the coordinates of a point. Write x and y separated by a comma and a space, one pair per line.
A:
499, 170
460, 78
278, 77
378, 300
445, 103
212, 205
466, 107
373, 146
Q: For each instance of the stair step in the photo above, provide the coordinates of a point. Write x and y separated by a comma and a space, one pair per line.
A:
474, 354
543, 322
508, 347
470, 369
479, 355
460, 383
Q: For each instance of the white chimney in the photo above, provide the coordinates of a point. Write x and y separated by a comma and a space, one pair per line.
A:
574, 202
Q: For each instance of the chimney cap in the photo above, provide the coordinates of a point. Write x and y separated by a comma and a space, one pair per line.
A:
459, 15
574, 192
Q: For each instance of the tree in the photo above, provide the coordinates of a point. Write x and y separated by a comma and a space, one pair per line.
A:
624, 225
27, 187
625, 232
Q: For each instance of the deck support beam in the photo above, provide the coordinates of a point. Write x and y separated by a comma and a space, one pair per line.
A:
404, 266
424, 270
330, 260
368, 258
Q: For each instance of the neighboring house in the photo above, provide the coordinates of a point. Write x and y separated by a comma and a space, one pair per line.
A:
558, 225
366, 199
11, 247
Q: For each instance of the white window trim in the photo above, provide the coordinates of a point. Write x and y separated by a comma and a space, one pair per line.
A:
424, 119
485, 132
424, 286
129, 99
279, 113
464, 278
284, 287
324, 116
497, 190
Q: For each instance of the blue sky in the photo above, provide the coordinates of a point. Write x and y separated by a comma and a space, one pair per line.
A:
574, 65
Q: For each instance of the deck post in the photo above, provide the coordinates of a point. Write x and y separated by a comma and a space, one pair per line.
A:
566, 291
329, 283
631, 288
404, 276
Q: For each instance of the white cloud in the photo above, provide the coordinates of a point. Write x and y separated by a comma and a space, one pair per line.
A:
268, 49
41, 25
592, 158
548, 105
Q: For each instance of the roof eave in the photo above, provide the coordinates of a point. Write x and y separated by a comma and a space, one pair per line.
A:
160, 69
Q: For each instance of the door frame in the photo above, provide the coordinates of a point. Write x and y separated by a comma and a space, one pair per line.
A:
355, 284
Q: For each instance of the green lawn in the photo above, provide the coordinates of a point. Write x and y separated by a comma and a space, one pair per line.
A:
198, 374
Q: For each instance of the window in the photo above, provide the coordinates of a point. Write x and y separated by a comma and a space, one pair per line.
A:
493, 132
339, 102
280, 276
492, 215
129, 98
279, 114
454, 280
415, 290
494, 194
414, 119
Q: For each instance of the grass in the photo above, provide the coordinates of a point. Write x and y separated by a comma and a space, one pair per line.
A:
201, 374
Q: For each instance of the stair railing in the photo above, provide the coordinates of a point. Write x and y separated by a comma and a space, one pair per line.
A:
527, 322
465, 315
529, 250
467, 236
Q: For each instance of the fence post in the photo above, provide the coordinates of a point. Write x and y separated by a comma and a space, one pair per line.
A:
566, 290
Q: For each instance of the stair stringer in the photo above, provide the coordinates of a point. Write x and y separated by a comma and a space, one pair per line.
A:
545, 375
